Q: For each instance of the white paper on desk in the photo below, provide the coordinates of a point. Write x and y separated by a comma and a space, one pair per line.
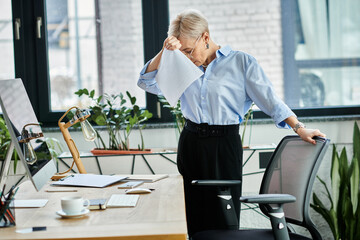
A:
176, 72
88, 180
30, 203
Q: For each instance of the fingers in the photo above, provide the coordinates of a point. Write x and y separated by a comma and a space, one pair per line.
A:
172, 43
310, 140
308, 134
317, 133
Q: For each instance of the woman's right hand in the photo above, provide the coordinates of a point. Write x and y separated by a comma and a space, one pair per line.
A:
172, 43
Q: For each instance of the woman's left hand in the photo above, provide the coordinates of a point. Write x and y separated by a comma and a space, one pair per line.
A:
308, 134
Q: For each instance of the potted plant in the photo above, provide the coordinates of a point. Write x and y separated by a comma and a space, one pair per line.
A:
119, 120
343, 215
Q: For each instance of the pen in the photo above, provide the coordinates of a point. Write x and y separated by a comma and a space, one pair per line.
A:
5, 208
61, 190
10, 216
8, 212
3, 191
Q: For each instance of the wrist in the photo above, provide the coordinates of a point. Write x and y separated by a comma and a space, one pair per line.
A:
298, 126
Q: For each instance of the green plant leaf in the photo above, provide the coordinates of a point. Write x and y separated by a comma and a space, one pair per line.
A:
354, 184
99, 99
79, 92
100, 120
344, 214
327, 191
328, 215
335, 178
92, 93
356, 141
348, 219
344, 167
136, 109
357, 226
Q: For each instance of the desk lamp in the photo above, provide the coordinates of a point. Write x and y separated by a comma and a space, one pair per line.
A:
89, 134
28, 150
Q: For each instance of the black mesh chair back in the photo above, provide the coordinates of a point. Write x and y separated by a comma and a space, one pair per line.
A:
292, 170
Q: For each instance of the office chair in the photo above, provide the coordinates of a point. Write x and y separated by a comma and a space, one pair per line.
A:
288, 178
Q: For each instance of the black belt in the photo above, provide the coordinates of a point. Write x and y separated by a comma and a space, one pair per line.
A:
205, 130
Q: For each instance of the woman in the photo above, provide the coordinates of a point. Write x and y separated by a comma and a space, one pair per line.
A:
214, 106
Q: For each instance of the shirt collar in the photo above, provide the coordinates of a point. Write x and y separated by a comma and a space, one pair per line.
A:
223, 51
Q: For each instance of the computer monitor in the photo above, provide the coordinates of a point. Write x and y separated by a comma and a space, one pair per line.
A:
26, 133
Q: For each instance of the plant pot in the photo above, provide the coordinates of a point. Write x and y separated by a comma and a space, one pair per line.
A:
100, 151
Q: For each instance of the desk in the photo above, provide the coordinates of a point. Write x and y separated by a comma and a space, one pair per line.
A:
159, 215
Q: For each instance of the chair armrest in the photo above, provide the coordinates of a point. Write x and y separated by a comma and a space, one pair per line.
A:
268, 199
217, 183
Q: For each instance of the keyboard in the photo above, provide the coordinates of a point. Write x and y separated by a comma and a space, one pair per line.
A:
122, 200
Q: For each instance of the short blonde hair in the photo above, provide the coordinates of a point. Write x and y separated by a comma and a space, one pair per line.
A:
189, 24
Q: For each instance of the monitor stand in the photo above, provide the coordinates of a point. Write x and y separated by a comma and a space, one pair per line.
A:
6, 165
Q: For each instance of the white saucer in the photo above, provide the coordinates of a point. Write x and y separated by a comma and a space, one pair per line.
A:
64, 215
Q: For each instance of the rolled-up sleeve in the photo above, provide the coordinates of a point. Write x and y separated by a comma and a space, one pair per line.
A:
147, 81
260, 90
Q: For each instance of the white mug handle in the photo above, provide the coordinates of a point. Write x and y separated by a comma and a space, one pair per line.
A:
87, 205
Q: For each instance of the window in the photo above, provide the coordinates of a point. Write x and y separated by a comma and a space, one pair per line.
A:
72, 52
94, 45
6, 41
322, 55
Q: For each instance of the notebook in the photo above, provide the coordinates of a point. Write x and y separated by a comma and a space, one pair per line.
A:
99, 203
89, 180
122, 200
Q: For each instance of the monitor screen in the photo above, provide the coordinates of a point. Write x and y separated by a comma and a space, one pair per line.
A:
26, 132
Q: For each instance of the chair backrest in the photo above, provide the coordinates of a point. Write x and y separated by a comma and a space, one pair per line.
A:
292, 169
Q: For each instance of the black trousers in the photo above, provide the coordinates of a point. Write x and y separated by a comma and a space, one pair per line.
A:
203, 156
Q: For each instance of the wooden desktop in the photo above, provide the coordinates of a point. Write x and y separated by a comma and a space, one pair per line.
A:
158, 215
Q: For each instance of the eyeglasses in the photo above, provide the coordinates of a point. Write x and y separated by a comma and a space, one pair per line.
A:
189, 54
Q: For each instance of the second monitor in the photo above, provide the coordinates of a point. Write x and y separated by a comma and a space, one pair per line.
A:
26, 133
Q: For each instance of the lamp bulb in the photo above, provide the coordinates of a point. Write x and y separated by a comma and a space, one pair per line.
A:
29, 153
88, 131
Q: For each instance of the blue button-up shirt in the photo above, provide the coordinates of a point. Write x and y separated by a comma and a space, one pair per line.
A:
224, 94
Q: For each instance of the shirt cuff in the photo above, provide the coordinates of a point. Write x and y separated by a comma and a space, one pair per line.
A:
280, 119
149, 75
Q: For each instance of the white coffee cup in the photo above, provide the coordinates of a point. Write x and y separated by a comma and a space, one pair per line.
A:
74, 205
